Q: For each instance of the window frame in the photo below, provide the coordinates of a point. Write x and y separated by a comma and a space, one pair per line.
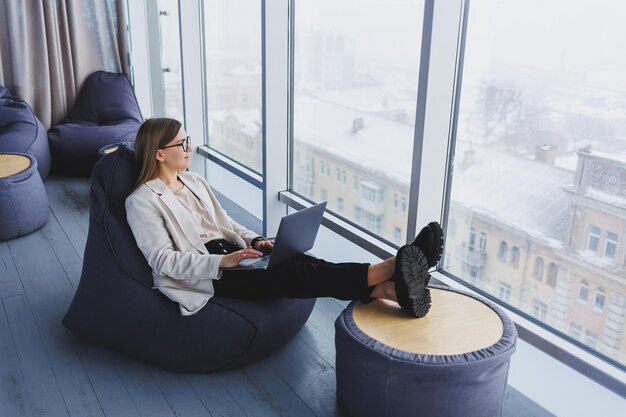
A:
503, 251
515, 255
610, 241
440, 73
595, 237
553, 274
436, 118
583, 286
599, 292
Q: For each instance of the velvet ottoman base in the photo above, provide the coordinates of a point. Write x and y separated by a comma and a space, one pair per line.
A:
374, 379
23, 201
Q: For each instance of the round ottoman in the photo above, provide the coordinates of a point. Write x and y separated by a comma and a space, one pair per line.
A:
23, 199
453, 362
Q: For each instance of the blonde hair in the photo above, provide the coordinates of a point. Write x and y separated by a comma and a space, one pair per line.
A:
152, 135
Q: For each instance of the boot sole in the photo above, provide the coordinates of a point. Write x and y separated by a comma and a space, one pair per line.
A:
410, 279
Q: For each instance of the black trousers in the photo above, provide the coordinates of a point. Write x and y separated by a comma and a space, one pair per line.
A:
300, 277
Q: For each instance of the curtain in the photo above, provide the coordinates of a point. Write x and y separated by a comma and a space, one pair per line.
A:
49, 47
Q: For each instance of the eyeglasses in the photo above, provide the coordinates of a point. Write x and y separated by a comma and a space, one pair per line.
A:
184, 144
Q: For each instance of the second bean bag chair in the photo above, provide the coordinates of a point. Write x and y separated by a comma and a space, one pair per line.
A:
22, 132
105, 112
116, 306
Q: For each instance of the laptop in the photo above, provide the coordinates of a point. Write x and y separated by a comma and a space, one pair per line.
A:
296, 235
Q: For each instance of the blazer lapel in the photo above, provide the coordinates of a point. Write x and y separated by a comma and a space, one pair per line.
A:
181, 215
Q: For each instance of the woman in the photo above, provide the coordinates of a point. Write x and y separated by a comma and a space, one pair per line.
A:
188, 240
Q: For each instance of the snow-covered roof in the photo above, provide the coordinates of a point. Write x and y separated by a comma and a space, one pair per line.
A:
618, 155
366, 99
607, 198
382, 145
522, 193
249, 119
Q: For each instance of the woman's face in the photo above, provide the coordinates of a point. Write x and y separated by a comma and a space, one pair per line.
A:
172, 156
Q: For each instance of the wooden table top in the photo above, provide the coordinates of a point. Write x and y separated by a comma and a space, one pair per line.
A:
12, 164
454, 325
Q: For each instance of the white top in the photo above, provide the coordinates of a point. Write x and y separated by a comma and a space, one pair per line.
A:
201, 214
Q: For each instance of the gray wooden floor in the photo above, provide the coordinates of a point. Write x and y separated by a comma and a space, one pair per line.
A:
47, 371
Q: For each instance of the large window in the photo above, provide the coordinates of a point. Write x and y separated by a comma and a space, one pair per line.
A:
355, 104
170, 61
232, 41
538, 129
540, 163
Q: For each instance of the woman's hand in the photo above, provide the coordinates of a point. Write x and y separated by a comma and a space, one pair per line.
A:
233, 259
265, 246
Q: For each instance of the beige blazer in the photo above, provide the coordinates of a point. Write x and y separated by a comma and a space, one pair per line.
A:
182, 269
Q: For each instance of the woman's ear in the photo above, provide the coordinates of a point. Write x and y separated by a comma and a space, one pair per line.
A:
159, 156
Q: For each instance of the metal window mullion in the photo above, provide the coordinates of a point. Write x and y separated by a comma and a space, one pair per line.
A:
140, 55
153, 26
454, 115
276, 79
190, 13
418, 138
291, 96
446, 27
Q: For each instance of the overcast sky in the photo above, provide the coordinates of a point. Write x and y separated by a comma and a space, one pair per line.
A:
571, 35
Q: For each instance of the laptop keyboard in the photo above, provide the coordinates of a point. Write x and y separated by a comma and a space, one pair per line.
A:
261, 263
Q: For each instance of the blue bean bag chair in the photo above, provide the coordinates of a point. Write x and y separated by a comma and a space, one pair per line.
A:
105, 112
22, 132
116, 306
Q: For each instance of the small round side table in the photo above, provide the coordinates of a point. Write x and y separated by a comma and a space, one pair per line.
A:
453, 362
23, 198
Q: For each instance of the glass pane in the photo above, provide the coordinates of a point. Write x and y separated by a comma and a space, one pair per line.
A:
540, 165
354, 108
170, 59
232, 36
